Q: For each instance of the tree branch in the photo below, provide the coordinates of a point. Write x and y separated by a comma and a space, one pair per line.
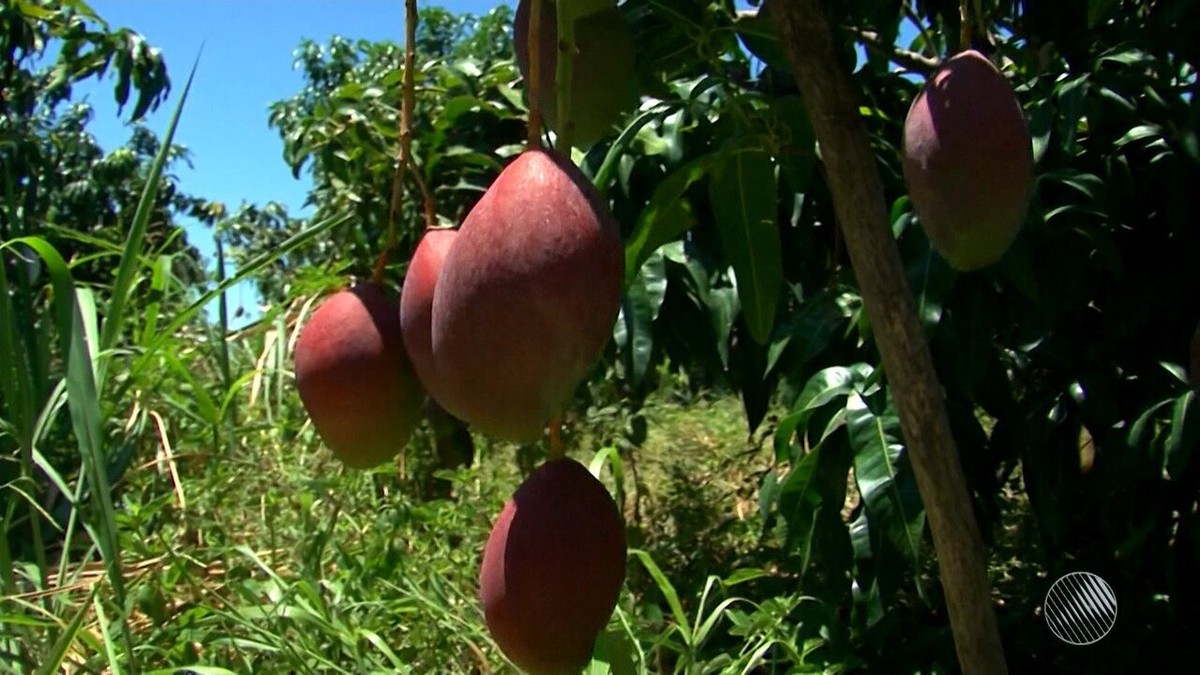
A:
911, 60
858, 200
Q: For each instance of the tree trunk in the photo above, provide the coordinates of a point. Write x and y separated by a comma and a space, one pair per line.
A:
832, 103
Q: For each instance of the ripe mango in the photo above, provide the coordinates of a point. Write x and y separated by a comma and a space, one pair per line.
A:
553, 568
603, 86
355, 379
968, 161
416, 302
526, 298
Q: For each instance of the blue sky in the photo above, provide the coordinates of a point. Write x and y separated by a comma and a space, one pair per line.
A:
245, 66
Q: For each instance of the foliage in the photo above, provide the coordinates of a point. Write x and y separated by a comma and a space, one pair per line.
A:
61, 188
57, 177
1062, 366
79, 367
344, 127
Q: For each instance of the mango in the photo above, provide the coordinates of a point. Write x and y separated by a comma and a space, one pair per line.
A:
968, 161
553, 568
526, 298
354, 376
416, 302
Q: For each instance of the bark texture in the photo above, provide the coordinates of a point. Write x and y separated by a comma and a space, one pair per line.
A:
854, 183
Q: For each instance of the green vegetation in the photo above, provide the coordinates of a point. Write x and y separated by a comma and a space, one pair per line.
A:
602, 75
169, 504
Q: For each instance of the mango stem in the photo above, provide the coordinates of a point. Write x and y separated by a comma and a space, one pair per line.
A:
557, 449
532, 86
562, 79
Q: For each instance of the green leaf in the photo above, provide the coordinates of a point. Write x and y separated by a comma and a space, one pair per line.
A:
885, 480
1137, 431
1041, 123
742, 191
826, 385
111, 652
1071, 97
760, 37
722, 309
1185, 430
611, 455
84, 9
84, 404
121, 90
668, 591
1139, 133
810, 502
640, 305
613, 654
58, 651
800, 496
1127, 57
16, 374
932, 280
620, 146
34, 11
114, 318
666, 216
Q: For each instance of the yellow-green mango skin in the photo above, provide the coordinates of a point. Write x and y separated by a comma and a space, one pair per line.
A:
968, 162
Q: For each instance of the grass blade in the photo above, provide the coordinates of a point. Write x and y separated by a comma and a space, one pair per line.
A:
109, 648
131, 257
246, 271
668, 591
84, 405
58, 651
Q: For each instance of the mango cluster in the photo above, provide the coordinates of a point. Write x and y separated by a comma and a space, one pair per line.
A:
498, 321
503, 318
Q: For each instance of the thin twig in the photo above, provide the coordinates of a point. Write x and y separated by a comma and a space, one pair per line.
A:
557, 449
563, 78
902, 57
406, 109
964, 19
911, 14
534, 83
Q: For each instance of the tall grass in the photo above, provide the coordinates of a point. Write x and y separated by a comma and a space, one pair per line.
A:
61, 362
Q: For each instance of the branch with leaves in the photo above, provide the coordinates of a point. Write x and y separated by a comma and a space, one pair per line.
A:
406, 111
